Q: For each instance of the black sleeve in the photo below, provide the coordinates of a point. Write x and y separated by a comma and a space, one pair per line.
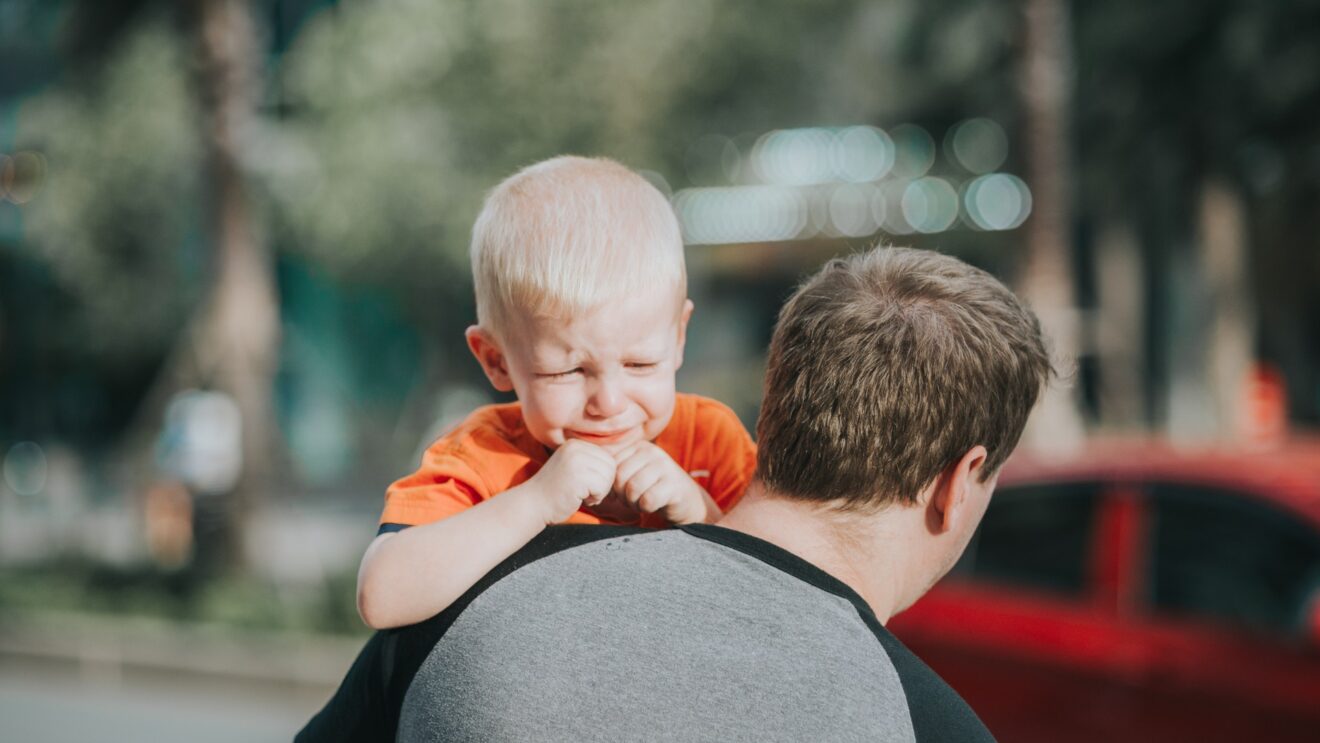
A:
938, 712
358, 710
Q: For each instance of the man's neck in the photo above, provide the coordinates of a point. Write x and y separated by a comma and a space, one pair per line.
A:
865, 553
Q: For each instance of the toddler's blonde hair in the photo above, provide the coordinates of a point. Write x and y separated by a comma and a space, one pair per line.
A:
568, 234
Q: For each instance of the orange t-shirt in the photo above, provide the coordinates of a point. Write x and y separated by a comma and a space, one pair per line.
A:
492, 451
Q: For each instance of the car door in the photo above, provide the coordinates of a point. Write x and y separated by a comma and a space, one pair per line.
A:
1027, 626
1222, 617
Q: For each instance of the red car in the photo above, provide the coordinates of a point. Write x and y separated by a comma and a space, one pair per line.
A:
1138, 592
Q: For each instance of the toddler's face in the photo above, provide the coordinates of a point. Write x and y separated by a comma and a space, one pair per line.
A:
605, 376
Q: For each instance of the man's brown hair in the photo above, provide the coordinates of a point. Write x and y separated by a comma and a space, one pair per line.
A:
885, 368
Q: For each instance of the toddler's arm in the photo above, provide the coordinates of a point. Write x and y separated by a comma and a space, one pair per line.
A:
414, 574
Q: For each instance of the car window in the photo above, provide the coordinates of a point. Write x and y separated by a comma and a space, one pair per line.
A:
1228, 557
1036, 537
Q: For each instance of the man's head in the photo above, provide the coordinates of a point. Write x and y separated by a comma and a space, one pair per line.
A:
892, 375
581, 300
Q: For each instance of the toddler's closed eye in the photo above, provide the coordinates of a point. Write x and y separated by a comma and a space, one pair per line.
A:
559, 375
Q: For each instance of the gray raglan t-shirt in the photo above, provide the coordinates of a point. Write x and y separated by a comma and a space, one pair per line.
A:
605, 634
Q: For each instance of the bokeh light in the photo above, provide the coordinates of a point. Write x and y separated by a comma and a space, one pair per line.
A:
930, 205
979, 145
997, 201
914, 151
794, 157
849, 181
889, 205
862, 153
739, 166
879, 207
203, 435
25, 468
712, 216
850, 210
731, 161
818, 214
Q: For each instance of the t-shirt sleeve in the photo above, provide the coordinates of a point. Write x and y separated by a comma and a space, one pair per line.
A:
360, 709
723, 448
938, 713
442, 486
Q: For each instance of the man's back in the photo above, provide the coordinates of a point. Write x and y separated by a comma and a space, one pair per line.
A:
612, 634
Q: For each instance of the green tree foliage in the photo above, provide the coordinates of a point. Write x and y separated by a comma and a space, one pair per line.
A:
387, 120
390, 119
1173, 95
116, 216
1229, 88
395, 117
403, 113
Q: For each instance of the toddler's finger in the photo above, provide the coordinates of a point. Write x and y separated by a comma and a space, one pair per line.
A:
626, 471
625, 454
654, 499
639, 484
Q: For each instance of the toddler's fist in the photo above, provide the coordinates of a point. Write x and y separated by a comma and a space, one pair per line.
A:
576, 473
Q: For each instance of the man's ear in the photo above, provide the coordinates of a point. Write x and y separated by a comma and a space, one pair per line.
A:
487, 350
950, 498
683, 318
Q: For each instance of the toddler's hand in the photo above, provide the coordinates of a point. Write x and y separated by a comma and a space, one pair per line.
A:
650, 479
576, 473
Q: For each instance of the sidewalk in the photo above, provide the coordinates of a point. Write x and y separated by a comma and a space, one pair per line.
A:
116, 645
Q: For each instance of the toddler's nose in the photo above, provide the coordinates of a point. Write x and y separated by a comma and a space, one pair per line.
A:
606, 399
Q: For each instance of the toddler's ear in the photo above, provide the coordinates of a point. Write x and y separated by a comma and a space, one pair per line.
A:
682, 332
487, 350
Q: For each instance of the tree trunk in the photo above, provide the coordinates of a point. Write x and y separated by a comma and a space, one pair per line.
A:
236, 337
1232, 341
1119, 327
1046, 280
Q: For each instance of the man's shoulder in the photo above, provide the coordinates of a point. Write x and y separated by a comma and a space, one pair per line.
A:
937, 712
551, 541
703, 611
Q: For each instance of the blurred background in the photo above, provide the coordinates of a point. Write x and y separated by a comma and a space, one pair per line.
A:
233, 285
